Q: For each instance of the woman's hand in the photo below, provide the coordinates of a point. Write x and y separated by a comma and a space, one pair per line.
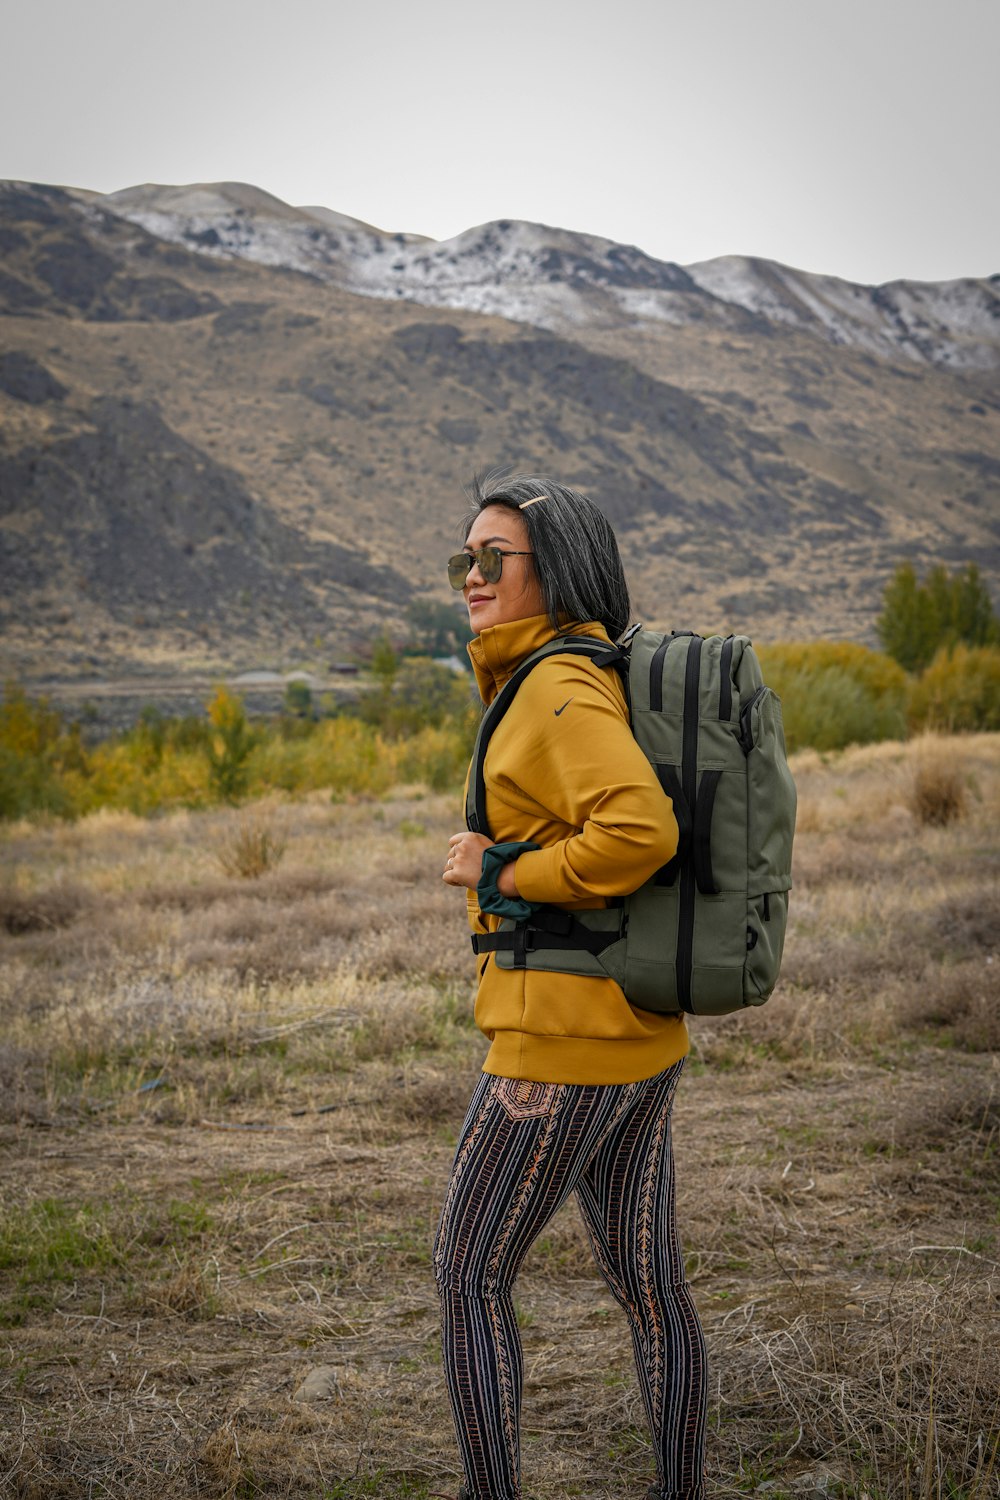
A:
465, 859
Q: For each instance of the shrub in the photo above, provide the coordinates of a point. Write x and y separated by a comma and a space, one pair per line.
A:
230, 746
35, 750
299, 699
251, 850
437, 757
422, 694
28, 726
938, 794
150, 735
189, 732
835, 693
119, 774
346, 756
436, 629
422, 732
385, 662
960, 690
42, 910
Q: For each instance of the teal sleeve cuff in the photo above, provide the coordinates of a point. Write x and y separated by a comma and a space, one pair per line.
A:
490, 899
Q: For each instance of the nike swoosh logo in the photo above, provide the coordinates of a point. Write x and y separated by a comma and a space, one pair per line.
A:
558, 711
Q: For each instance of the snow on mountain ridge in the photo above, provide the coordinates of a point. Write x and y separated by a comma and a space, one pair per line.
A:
227, 219
561, 280
950, 322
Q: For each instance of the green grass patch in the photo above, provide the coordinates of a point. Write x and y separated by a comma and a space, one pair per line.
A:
53, 1243
53, 1240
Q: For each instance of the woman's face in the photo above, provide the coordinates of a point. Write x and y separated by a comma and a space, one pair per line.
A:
518, 593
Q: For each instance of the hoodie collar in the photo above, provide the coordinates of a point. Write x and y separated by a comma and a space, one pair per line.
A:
499, 650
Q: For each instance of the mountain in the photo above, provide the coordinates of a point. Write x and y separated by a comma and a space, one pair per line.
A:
563, 281
234, 432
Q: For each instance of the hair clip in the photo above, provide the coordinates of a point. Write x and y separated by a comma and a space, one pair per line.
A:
525, 503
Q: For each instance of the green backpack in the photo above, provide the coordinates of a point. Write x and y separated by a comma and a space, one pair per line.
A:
705, 933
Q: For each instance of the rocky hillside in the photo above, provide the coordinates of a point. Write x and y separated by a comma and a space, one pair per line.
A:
233, 432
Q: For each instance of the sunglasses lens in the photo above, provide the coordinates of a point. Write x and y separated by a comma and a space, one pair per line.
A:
487, 559
458, 569
490, 563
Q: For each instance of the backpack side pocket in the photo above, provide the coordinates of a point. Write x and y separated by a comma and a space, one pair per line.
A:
771, 802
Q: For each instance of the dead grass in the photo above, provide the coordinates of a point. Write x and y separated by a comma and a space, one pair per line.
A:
230, 1109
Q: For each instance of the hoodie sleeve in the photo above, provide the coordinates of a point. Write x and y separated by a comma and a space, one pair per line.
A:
568, 750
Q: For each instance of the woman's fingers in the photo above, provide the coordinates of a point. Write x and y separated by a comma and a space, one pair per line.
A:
464, 862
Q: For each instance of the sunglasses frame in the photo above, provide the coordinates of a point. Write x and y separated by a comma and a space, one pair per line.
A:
476, 557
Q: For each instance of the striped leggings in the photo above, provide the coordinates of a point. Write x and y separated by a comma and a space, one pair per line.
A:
524, 1148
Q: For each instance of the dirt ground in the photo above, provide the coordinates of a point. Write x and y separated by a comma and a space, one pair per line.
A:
229, 1111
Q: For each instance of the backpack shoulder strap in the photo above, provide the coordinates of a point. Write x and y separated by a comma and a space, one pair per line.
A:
600, 653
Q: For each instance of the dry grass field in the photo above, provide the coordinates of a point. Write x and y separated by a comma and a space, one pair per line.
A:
229, 1104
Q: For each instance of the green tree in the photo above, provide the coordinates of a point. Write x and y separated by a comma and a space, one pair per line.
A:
149, 736
918, 618
973, 619
428, 694
229, 747
385, 662
32, 754
299, 699
904, 626
423, 694
436, 629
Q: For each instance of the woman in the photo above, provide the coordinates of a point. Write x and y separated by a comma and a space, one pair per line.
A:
577, 1086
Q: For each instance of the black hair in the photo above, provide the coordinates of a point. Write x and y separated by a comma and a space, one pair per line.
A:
575, 551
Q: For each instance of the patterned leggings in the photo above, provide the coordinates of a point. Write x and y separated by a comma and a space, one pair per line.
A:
524, 1148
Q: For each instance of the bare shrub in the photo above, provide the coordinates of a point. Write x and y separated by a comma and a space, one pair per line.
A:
305, 884
434, 1100
939, 792
185, 896
961, 999
22, 1074
193, 1290
891, 1387
969, 920
251, 850
960, 1113
244, 1458
856, 858
43, 910
396, 1018
977, 1026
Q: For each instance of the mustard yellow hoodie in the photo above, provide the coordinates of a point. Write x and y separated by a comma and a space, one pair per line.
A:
564, 772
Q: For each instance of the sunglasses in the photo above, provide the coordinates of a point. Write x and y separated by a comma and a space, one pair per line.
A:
489, 561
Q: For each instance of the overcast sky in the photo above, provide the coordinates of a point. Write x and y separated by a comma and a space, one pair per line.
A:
857, 137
